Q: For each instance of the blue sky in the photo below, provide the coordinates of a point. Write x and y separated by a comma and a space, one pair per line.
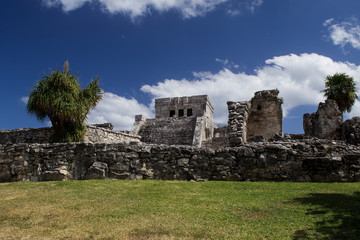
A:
142, 50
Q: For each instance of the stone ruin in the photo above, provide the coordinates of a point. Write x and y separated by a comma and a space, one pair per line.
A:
178, 121
324, 122
251, 147
189, 121
257, 120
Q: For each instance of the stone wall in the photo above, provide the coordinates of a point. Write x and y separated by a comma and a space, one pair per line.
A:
265, 115
237, 122
169, 131
260, 118
97, 134
307, 160
324, 122
200, 106
349, 131
43, 135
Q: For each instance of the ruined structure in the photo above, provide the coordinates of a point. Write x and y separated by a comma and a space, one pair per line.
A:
257, 152
324, 122
259, 119
189, 121
178, 121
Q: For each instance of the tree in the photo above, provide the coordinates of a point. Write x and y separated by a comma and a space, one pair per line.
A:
59, 97
341, 88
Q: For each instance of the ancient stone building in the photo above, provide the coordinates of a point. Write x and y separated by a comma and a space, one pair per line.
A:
324, 122
178, 121
259, 119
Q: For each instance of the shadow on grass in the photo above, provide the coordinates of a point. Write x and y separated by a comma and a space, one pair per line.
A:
338, 214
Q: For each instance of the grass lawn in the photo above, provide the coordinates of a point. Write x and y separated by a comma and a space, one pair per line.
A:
179, 210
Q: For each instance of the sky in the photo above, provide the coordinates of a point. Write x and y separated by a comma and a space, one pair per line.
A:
147, 49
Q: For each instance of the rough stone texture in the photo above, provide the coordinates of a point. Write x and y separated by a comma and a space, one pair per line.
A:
170, 131
265, 115
349, 131
305, 160
104, 135
43, 135
138, 124
237, 122
324, 122
199, 105
220, 138
257, 120
179, 121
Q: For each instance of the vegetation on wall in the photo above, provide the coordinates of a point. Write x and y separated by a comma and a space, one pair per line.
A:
59, 98
341, 88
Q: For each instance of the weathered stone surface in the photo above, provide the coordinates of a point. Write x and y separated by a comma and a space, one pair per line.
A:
237, 122
98, 170
257, 120
178, 121
324, 122
293, 160
349, 131
265, 115
43, 135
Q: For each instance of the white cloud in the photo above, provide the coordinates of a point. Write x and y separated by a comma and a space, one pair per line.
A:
344, 33
227, 64
300, 78
136, 8
24, 99
254, 4
117, 110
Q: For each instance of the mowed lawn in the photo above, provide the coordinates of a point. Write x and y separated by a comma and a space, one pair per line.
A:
114, 209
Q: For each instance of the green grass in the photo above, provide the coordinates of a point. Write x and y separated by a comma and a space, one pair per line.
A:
179, 210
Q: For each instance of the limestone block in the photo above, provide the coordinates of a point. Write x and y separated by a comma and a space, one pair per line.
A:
98, 170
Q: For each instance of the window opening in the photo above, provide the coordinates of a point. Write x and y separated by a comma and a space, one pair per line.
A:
172, 113
189, 112
181, 113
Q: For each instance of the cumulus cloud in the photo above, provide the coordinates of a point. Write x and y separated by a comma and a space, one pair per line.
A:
300, 78
347, 32
136, 8
117, 110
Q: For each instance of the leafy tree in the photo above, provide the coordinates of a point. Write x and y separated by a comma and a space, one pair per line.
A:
59, 97
341, 88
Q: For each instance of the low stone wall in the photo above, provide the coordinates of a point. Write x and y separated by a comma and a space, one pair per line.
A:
306, 160
43, 135
103, 135
26, 135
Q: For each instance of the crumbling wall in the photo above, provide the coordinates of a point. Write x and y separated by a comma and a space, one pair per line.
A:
349, 131
261, 117
237, 122
310, 160
265, 115
43, 135
169, 131
324, 122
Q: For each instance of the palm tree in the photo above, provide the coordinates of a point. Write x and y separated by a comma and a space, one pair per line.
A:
59, 97
341, 88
